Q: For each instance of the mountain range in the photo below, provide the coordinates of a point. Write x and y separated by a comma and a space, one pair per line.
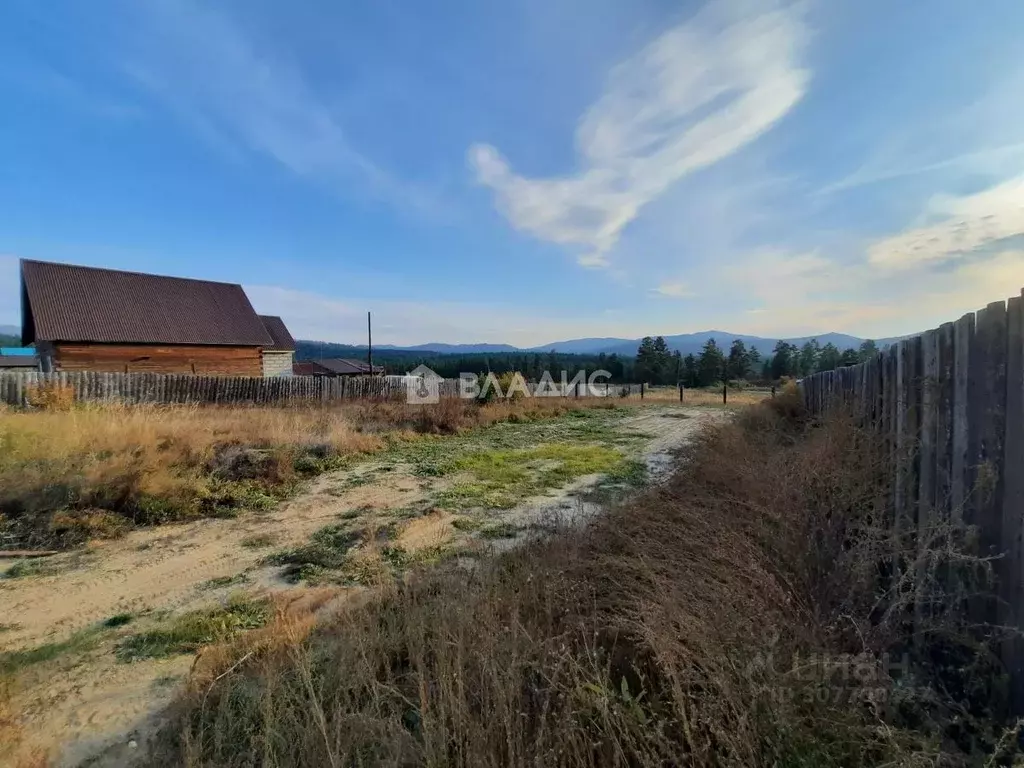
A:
685, 343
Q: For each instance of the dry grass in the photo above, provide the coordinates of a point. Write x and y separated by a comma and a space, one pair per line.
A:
745, 614
76, 473
708, 397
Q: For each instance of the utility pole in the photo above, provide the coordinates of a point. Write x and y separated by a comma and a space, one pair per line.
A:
369, 343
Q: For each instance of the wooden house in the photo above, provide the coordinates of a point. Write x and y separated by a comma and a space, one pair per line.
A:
90, 319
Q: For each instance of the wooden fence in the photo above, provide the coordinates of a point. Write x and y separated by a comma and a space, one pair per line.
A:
954, 397
135, 388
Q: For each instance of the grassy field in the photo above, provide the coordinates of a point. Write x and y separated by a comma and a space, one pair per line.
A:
84, 472
102, 633
744, 614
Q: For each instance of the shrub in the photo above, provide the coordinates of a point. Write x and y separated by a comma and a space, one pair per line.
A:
50, 396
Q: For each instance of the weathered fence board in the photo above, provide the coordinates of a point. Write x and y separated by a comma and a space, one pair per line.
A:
950, 405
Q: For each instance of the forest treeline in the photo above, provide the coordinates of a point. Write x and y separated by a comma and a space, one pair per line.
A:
654, 362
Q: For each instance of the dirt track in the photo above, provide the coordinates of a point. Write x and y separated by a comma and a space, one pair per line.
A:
90, 702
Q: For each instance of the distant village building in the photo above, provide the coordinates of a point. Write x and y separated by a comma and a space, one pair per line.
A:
336, 367
91, 319
18, 359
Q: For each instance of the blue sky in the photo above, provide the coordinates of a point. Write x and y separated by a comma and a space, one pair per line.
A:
529, 170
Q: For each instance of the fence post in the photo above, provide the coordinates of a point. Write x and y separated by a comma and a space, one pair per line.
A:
641, 390
680, 392
725, 393
1011, 583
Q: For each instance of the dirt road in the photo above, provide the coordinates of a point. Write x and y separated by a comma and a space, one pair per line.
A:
86, 700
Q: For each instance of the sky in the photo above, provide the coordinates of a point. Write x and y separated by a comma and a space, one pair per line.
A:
530, 170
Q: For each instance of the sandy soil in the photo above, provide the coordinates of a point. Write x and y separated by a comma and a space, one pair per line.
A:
91, 702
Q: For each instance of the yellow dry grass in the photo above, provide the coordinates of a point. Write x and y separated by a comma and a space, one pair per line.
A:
68, 474
736, 397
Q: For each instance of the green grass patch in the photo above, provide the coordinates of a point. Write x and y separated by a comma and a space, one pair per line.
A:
632, 472
25, 568
258, 541
220, 582
189, 632
81, 641
500, 479
328, 549
499, 531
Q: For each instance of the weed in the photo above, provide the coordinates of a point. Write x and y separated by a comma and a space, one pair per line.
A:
191, 631
499, 531
12, 662
501, 479
258, 541
118, 620
25, 568
219, 582
328, 549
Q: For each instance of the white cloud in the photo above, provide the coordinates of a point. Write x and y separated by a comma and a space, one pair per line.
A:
693, 96
965, 225
240, 94
673, 290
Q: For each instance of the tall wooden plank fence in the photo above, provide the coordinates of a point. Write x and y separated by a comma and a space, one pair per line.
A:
951, 405
138, 388
16, 388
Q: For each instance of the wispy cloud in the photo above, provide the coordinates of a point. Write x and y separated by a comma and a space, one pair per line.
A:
244, 95
693, 96
673, 290
965, 225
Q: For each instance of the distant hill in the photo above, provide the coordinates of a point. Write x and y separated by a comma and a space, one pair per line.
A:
686, 343
10, 330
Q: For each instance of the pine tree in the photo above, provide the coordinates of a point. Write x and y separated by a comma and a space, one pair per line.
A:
737, 365
828, 358
711, 365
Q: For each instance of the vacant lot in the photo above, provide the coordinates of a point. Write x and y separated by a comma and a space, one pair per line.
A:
755, 610
101, 636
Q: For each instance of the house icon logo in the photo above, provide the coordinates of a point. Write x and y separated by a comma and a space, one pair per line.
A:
422, 386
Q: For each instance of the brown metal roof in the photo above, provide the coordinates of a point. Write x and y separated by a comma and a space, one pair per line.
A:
64, 302
283, 341
334, 367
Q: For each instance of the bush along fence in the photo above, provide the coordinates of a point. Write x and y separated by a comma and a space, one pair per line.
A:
950, 402
135, 388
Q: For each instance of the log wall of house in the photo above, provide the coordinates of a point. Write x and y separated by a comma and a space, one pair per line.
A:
159, 358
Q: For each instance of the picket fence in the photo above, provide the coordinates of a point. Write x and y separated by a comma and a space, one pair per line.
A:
135, 388
951, 404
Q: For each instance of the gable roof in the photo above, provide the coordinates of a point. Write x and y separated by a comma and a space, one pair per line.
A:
64, 302
283, 341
